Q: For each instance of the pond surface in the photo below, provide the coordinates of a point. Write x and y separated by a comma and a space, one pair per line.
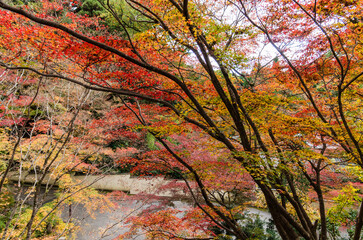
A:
107, 225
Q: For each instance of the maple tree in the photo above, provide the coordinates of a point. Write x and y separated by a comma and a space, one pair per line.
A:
43, 132
41, 140
284, 119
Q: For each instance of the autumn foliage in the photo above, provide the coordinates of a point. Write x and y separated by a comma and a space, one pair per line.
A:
248, 102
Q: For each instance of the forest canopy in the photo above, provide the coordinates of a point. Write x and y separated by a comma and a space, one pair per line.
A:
249, 103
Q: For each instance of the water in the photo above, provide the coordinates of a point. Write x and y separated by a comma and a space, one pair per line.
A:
107, 225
